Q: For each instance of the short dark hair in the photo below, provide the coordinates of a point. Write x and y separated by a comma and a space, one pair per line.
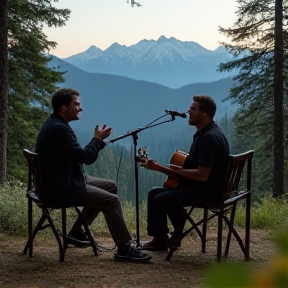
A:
206, 103
63, 96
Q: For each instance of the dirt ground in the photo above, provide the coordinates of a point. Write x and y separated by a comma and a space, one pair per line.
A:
187, 268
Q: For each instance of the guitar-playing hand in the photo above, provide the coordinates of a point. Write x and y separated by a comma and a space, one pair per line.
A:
149, 164
143, 159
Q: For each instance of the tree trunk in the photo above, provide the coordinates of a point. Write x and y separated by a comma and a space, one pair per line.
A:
3, 88
278, 177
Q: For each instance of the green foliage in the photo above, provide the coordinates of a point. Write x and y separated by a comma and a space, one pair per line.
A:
269, 213
227, 275
252, 44
31, 82
237, 275
228, 127
13, 208
129, 212
13, 213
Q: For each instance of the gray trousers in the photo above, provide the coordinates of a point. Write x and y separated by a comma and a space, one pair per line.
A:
102, 197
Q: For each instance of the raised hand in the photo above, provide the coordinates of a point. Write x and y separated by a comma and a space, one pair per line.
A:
102, 133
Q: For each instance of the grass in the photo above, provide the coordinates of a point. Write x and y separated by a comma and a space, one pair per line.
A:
270, 213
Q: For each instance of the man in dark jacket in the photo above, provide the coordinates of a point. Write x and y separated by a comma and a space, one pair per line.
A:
64, 183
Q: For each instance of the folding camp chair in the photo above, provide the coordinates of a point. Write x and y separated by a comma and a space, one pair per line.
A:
33, 195
229, 198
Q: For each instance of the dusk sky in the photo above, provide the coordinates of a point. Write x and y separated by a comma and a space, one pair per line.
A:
104, 22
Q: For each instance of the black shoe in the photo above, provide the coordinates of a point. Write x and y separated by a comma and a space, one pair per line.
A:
174, 239
155, 245
132, 254
78, 238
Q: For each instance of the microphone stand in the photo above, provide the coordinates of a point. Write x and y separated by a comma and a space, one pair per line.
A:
135, 138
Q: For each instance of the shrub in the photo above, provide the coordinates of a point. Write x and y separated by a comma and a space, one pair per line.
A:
13, 208
13, 213
271, 213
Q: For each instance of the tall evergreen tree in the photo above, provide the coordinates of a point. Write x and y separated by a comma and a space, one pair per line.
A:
3, 88
31, 82
278, 177
253, 47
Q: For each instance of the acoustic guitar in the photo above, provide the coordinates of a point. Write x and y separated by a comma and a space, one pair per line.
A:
177, 159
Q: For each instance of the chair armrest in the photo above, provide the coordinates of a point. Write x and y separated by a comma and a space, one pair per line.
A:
239, 196
32, 196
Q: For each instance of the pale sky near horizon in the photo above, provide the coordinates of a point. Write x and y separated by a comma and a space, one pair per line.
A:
104, 22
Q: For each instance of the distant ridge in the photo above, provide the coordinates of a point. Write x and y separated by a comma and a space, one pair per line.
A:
167, 61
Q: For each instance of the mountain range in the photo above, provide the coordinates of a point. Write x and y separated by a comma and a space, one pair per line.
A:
166, 61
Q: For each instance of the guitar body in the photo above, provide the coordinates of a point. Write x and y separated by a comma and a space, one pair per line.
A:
177, 159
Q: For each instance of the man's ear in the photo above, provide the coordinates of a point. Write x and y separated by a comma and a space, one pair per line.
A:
64, 108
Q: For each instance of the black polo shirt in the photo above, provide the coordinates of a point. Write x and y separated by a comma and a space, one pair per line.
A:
209, 148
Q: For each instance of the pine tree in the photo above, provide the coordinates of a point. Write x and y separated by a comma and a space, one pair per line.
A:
253, 46
31, 82
3, 88
278, 177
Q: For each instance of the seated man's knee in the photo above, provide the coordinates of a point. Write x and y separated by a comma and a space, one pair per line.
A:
160, 201
112, 203
153, 193
114, 187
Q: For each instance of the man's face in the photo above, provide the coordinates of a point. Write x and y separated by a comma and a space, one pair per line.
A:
195, 114
72, 111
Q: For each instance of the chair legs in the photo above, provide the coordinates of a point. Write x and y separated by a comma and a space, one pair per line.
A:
194, 225
232, 217
219, 235
62, 244
39, 226
221, 215
29, 242
245, 246
247, 227
88, 233
31, 235
204, 230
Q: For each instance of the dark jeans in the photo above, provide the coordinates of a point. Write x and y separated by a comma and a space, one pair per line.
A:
102, 197
163, 202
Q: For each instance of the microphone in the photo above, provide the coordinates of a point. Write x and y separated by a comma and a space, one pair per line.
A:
175, 113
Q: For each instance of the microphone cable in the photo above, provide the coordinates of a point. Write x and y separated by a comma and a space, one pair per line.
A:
119, 165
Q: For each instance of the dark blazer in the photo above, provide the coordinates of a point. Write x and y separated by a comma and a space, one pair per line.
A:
61, 158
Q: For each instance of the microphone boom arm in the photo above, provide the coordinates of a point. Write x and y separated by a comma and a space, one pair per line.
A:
136, 131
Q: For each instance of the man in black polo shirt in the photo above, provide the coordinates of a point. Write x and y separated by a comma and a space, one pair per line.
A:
201, 176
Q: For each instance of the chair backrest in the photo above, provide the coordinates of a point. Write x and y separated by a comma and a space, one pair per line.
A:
34, 171
235, 166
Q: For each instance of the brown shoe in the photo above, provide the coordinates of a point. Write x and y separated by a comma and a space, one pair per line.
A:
155, 245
